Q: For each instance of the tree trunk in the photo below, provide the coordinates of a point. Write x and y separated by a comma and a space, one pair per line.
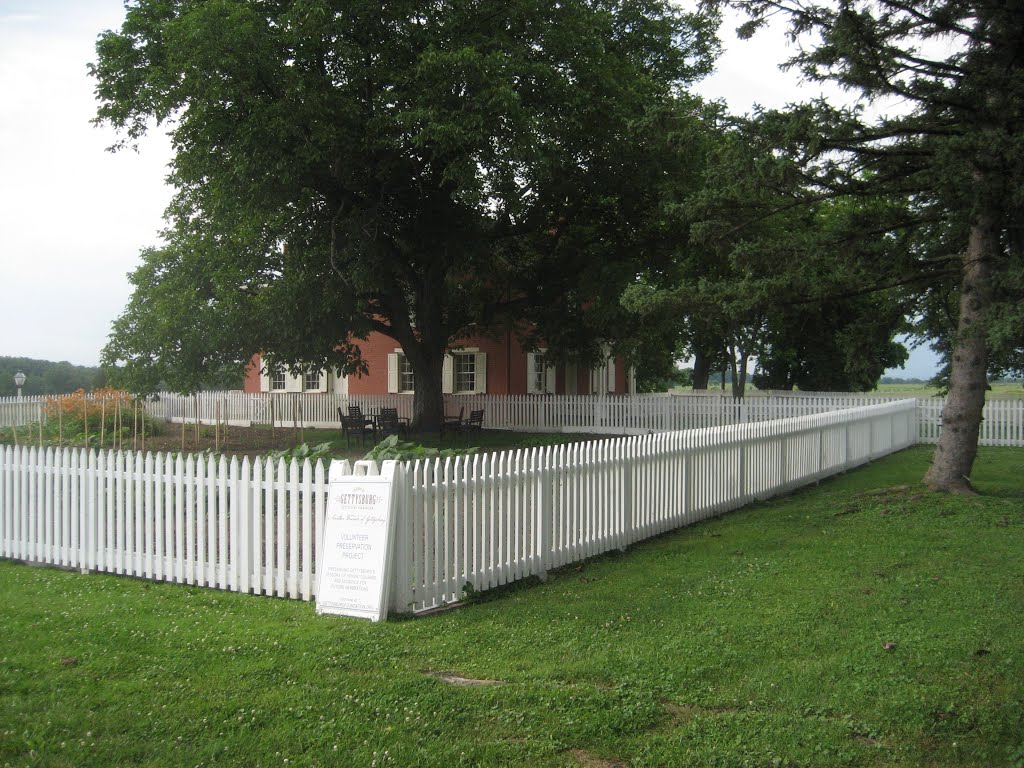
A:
732, 369
739, 374
428, 403
427, 362
961, 418
701, 369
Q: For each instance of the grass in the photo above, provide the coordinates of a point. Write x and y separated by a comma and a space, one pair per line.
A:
865, 622
998, 390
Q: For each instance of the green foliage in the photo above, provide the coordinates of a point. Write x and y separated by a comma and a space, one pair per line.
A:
43, 377
760, 261
427, 172
392, 448
101, 670
302, 452
843, 346
177, 333
948, 162
664, 380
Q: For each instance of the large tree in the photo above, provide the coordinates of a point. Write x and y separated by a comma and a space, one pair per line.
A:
425, 170
760, 266
952, 150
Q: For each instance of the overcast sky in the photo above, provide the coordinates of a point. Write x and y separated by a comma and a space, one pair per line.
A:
74, 217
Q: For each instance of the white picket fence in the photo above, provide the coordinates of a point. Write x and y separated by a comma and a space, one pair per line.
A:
19, 411
1003, 418
486, 520
595, 414
493, 519
193, 519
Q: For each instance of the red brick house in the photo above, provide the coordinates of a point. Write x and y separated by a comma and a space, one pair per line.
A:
475, 366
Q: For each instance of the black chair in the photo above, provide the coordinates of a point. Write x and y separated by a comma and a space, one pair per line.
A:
474, 424
356, 424
390, 423
452, 423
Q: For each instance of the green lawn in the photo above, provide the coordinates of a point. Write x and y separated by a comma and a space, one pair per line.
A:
998, 390
865, 622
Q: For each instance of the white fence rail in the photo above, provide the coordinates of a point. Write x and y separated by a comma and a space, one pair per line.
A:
1002, 424
618, 414
484, 520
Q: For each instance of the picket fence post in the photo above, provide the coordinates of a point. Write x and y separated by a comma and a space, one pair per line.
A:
542, 505
624, 456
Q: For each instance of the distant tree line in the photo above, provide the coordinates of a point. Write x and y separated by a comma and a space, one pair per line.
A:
44, 377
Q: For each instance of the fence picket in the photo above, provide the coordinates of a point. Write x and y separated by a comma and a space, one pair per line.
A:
293, 530
305, 566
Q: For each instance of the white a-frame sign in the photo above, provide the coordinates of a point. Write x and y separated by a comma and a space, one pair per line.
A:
354, 572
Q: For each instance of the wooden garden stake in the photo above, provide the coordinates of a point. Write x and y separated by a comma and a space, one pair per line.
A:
103, 421
85, 420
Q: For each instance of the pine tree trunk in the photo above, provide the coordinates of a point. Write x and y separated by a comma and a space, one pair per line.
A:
961, 418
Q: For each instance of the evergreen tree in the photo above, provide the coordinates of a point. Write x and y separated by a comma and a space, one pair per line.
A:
954, 154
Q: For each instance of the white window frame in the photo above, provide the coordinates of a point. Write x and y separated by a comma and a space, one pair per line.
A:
467, 377
309, 384
542, 381
277, 379
398, 369
448, 372
397, 360
405, 371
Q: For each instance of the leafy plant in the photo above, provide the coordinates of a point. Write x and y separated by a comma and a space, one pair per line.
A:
391, 448
303, 451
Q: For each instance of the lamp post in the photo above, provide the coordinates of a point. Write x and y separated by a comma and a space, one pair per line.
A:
19, 381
